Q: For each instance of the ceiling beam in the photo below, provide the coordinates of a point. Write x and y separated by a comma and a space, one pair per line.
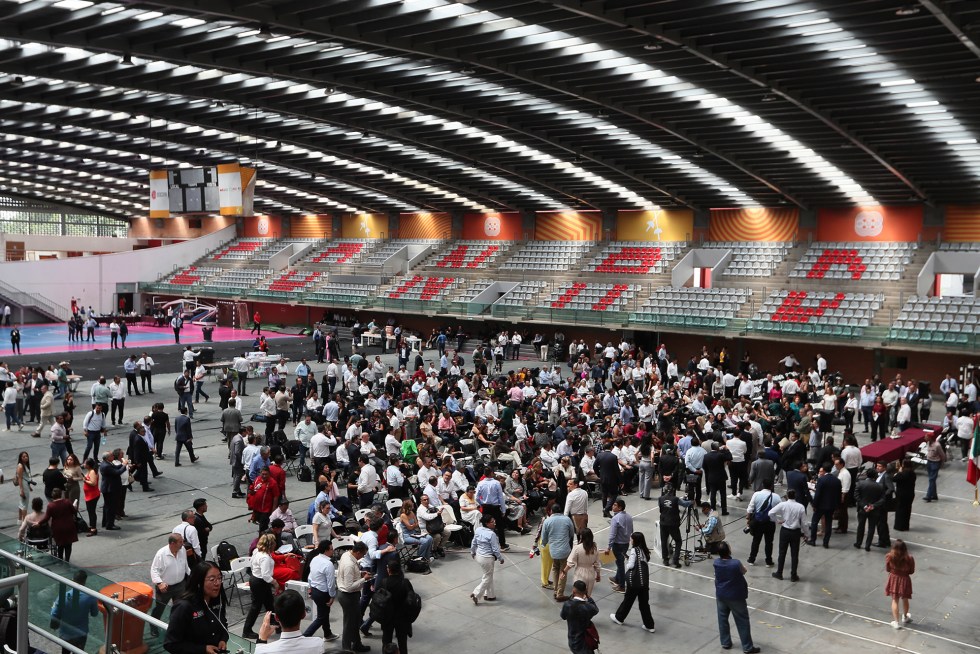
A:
941, 11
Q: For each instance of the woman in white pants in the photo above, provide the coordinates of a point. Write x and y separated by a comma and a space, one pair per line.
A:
486, 550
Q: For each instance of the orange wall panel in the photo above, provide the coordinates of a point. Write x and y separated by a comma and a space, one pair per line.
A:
660, 225
962, 224
870, 224
176, 227
425, 225
263, 226
568, 226
493, 227
311, 226
755, 224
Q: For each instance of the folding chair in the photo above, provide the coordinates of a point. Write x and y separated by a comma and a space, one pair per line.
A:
452, 527
305, 532
236, 576
291, 451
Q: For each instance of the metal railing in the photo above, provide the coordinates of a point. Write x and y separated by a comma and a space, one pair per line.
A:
34, 300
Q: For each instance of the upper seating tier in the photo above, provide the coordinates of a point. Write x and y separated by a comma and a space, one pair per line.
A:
634, 257
854, 261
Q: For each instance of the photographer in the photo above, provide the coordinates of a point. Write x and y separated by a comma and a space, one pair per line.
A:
290, 609
712, 530
670, 524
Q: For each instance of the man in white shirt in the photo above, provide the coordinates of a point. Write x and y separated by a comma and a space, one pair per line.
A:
145, 367
789, 362
587, 464
577, 506
117, 391
241, 367
844, 477
290, 610
790, 516
821, 365
323, 590
304, 432
167, 572
188, 532
367, 483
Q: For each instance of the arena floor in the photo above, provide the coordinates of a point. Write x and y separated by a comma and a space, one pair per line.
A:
838, 604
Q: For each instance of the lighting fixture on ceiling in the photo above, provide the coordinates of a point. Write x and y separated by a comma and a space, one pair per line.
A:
466, 71
17, 81
653, 47
278, 144
265, 33
910, 9
126, 59
768, 97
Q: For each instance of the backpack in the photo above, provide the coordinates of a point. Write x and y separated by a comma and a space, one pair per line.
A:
417, 565
591, 637
380, 602
8, 629
180, 384
413, 605
305, 473
762, 513
226, 553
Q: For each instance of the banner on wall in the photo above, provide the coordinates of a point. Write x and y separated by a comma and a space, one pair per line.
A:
311, 226
870, 224
962, 224
568, 226
659, 225
159, 194
248, 191
230, 189
492, 227
263, 226
754, 224
364, 225
425, 225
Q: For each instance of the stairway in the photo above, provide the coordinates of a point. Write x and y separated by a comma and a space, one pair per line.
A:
34, 302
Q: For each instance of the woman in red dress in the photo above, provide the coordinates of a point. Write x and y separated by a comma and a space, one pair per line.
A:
900, 567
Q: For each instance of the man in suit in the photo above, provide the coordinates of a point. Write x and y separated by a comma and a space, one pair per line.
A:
824, 455
139, 455
795, 452
609, 478
761, 470
796, 480
869, 496
884, 479
826, 498
715, 475
111, 471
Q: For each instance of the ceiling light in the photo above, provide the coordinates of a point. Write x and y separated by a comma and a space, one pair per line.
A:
17, 81
653, 47
466, 71
910, 9
768, 97
126, 60
265, 33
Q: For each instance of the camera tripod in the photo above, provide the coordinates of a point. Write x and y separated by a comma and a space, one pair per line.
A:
693, 523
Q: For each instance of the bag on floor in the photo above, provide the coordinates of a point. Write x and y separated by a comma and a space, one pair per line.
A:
305, 474
418, 565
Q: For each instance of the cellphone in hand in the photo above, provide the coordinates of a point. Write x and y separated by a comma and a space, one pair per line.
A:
274, 620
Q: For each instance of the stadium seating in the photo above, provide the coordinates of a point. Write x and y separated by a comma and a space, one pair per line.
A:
548, 255
264, 254
808, 312
522, 294
752, 258
422, 288
949, 320
341, 293
854, 261
697, 307
293, 281
971, 246
580, 296
478, 287
383, 253
634, 258
471, 254
339, 252
240, 250
238, 279
190, 275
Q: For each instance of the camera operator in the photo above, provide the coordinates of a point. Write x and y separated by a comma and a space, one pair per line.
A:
670, 524
712, 530
694, 462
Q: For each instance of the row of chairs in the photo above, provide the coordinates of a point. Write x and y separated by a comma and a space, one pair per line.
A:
548, 255
522, 294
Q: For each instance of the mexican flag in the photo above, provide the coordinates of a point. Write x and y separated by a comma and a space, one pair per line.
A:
973, 465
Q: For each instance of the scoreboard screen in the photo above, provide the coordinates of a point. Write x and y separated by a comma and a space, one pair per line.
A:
193, 190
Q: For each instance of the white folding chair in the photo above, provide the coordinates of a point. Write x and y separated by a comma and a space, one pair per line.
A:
236, 576
305, 532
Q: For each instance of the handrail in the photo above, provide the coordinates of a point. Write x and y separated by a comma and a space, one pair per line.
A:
23, 625
28, 300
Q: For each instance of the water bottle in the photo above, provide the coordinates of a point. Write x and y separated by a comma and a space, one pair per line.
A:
105, 438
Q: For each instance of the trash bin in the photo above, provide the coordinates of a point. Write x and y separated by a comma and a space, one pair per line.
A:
206, 355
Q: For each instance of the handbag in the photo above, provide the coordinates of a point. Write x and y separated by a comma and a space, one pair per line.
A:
591, 636
80, 525
435, 526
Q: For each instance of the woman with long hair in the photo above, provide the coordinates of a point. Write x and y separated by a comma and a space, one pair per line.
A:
73, 479
904, 493
198, 617
900, 567
262, 583
90, 486
637, 583
22, 480
411, 531
585, 561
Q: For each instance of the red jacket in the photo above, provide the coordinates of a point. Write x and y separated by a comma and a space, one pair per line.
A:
263, 495
279, 475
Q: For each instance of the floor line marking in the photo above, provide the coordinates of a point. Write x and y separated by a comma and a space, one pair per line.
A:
958, 522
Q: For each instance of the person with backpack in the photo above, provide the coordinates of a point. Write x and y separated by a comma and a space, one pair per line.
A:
396, 614
637, 583
759, 524
578, 613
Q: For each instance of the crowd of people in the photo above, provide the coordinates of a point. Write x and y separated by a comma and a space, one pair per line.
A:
457, 442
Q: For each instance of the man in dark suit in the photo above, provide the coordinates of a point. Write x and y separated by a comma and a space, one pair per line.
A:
826, 498
884, 479
607, 465
762, 469
795, 452
870, 498
796, 480
139, 455
715, 475
824, 456
110, 474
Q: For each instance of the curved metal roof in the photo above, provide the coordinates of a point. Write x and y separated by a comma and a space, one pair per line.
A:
402, 105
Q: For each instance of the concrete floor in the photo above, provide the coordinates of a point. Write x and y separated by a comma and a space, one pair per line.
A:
838, 603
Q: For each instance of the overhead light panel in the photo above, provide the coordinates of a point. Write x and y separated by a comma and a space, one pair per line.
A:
910, 9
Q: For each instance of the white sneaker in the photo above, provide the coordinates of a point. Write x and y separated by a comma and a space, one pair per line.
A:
739, 498
612, 616
907, 618
895, 625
